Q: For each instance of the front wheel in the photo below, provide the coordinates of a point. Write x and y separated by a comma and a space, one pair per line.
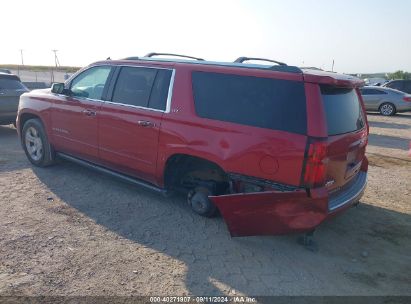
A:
35, 143
387, 109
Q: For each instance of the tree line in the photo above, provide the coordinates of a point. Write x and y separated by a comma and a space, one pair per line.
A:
400, 75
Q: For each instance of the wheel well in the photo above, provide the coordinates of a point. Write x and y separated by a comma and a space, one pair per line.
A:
185, 172
26, 116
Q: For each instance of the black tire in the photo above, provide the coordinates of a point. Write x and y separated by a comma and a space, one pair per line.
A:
200, 203
34, 129
387, 109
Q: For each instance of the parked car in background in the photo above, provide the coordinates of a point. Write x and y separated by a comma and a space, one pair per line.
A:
385, 100
6, 71
400, 85
10, 90
375, 81
276, 149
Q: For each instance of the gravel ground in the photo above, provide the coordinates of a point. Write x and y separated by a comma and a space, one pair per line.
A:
66, 230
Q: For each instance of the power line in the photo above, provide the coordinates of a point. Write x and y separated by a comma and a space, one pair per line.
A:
21, 55
56, 59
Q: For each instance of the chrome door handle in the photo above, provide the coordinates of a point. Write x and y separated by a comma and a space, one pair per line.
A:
145, 123
89, 112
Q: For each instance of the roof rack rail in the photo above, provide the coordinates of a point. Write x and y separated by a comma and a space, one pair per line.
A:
242, 59
174, 55
131, 58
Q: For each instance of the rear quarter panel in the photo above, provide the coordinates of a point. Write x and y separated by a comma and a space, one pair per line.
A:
252, 151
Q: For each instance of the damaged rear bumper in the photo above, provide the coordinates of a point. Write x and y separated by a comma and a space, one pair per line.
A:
275, 212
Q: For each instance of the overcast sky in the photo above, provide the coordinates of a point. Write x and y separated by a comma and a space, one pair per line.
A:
362, 35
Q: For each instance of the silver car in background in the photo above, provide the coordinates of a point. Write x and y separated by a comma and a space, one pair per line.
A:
386, 101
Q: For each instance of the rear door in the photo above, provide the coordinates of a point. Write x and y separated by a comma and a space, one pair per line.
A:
130, 120
372, 98
10, 90
347, 135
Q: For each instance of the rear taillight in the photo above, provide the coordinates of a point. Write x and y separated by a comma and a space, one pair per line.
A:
407, 98
315, 164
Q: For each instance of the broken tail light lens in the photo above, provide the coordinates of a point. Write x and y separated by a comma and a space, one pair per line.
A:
316, 164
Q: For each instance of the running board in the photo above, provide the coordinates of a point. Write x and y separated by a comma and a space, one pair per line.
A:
128, 179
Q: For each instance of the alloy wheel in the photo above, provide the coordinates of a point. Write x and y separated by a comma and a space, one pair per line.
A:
34, 143
387, 109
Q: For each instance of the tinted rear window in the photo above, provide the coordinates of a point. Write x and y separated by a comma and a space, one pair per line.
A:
11, 84
343, 110
260, 102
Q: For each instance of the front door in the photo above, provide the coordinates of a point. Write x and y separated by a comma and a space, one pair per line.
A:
130, 121
75, 116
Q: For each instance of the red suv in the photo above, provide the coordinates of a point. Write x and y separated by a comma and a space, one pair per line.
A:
274, 148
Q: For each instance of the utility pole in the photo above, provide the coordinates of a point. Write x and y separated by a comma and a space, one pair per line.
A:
21, 55
56, 59
332, 68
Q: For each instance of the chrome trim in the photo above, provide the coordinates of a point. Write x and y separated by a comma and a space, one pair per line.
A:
347, 197
169, 95
133, 106
87, 99
170, 92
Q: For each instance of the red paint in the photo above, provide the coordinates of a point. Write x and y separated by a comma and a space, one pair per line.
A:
114, 138
137, 155
271, 213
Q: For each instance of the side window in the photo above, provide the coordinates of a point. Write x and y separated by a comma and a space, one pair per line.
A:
254, 101
379, 92
133, 86
407, 87
159, 92
372, 92
90, 83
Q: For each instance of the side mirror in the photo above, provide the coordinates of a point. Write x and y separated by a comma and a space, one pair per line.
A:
58, 88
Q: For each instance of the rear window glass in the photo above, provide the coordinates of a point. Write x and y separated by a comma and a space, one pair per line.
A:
260, 102
11, 84
343, 110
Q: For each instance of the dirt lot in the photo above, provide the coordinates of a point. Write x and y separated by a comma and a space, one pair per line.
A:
66, 230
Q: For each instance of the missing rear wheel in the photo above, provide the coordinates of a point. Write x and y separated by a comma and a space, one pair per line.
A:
200, 203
